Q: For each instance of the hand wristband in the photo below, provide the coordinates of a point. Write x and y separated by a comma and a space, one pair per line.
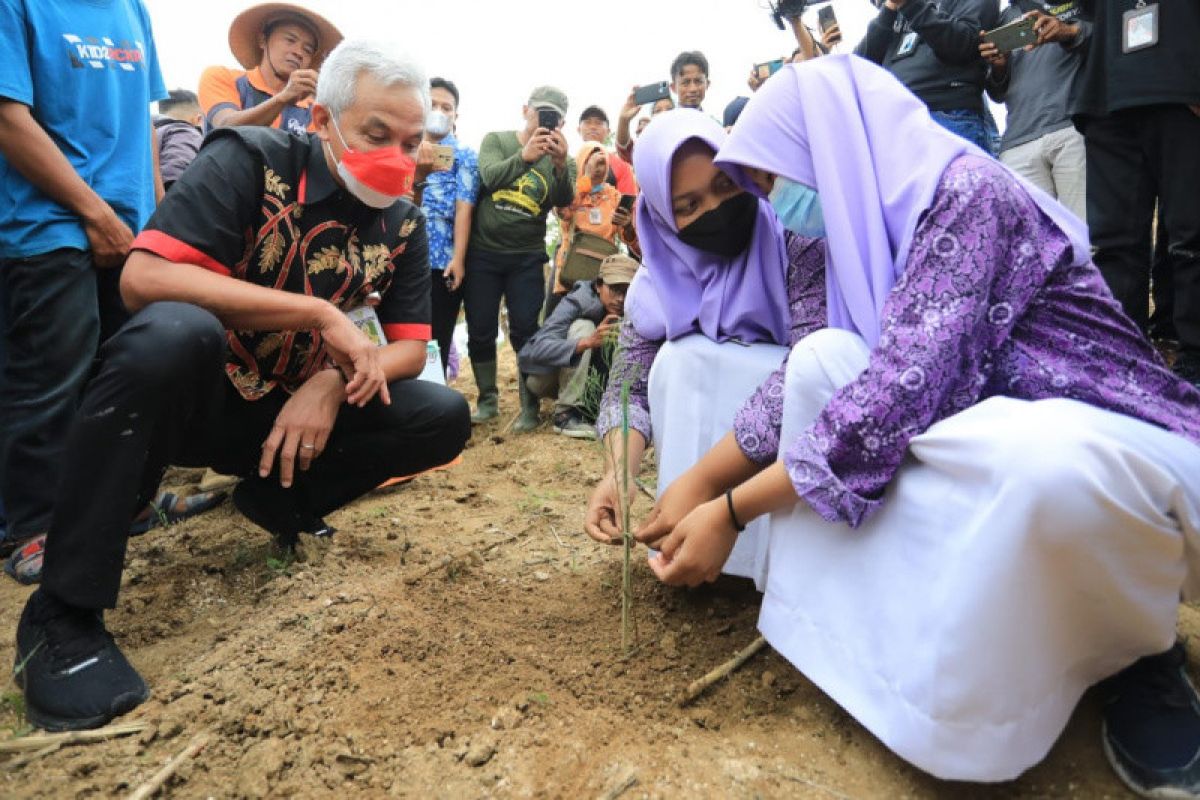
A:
737, 525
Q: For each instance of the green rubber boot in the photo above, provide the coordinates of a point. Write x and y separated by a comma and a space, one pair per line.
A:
489, 399
530, 405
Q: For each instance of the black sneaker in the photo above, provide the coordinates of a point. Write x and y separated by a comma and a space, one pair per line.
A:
72, 672
1152, 726
571, 423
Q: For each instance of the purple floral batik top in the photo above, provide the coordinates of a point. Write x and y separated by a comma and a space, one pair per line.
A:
988, 305
756, 425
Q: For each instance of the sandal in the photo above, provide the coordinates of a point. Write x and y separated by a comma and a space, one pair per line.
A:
163, 512
25, 564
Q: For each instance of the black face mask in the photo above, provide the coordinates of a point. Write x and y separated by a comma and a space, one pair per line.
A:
726, 230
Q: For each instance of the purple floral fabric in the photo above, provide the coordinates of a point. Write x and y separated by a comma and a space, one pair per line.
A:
756, 425
989, 304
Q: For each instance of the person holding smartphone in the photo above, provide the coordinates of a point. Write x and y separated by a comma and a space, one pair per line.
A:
523, 174
596, 209
446, 190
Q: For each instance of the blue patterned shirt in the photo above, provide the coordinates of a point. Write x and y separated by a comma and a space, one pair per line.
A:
442, 191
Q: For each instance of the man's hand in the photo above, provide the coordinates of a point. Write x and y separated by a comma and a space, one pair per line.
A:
991, 54
894, 5
1050, 28
109, 238
426, 161
697, 548
302, 427
754, 81
603, 520
598, 337
557, 148
681, 498
536, 146
456, 270
631, 109
621, 217
357, 357
301, 84
831, 37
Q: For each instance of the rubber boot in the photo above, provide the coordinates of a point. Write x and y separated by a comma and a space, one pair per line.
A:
489, 399
530, 405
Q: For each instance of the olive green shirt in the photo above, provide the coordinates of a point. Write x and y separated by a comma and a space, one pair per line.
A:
515, 197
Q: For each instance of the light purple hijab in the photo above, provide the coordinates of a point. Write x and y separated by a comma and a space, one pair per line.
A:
683, 290
850, 130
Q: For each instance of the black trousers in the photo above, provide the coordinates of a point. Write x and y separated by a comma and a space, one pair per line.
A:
1135, 157
57, 309
161, 397
517, 277
446, 305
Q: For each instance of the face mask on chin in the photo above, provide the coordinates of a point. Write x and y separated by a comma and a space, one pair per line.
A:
378, 178
725, 231
437, 123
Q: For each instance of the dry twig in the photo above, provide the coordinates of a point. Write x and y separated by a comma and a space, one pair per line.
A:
644, 488
448, 560
621, 787
17, 763
160, 778
41, 740
698, 686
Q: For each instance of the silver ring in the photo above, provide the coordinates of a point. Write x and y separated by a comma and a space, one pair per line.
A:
309, 446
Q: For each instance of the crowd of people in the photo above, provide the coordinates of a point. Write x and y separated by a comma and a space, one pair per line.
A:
899, 369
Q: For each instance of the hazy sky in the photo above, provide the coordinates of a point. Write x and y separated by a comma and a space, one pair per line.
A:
497, 51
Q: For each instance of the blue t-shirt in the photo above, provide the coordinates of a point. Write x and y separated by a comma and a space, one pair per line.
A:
442, 191
89, 71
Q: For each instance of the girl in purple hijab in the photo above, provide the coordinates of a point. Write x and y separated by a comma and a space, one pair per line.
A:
985, 498
721, 296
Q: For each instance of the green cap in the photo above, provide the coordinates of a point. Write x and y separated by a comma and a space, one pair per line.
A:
549, 97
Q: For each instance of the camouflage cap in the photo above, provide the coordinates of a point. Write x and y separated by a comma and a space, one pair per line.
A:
549, 97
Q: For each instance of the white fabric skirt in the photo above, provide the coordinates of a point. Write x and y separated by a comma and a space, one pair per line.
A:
1024, 551
696, 388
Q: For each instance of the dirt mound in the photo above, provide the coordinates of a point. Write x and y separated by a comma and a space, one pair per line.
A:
459, 637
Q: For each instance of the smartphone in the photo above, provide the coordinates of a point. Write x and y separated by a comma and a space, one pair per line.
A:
548, 118
1012, 36
826, 19
652, 93
768, 68
626, 202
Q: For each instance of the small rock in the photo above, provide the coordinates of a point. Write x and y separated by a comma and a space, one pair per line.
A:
768, 679
541, 576
148, 736
479, 754
171, 729
392, 536
669, 644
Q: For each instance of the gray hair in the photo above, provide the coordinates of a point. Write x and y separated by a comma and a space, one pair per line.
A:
385, 61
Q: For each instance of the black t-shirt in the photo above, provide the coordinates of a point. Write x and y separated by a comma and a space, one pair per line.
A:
1167, 73
261, 205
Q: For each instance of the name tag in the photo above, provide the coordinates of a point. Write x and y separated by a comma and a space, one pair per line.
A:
594, 216
907, 44
1139, 28
367, 321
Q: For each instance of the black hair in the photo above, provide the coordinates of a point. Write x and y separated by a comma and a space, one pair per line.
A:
177, 97
689, 58
594, 112
292, 19
442, 83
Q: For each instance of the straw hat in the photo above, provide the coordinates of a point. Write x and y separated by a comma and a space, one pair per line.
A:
246, 27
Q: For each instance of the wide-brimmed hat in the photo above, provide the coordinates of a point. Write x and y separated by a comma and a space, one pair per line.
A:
246, 27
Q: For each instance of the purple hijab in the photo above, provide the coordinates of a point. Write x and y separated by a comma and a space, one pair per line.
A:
683, 290
850, 130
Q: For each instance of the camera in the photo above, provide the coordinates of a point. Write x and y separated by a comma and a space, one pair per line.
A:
782, 10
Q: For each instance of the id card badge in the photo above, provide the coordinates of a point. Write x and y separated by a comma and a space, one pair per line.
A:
907, 44
595, 217
367, 321
1139, 27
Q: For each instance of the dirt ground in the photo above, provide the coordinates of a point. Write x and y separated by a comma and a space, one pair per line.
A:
460, 637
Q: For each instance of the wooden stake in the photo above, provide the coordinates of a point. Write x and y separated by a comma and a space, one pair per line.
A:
42, 740
698, 687
159, 778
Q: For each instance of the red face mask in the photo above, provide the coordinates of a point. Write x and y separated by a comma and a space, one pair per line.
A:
378, 177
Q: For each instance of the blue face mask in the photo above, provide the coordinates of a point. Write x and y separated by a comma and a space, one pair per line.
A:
798, 208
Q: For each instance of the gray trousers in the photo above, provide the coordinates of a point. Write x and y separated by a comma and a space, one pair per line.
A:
1056, 164
569, 384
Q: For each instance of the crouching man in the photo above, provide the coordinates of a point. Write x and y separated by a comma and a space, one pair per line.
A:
567, 357
240, 356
